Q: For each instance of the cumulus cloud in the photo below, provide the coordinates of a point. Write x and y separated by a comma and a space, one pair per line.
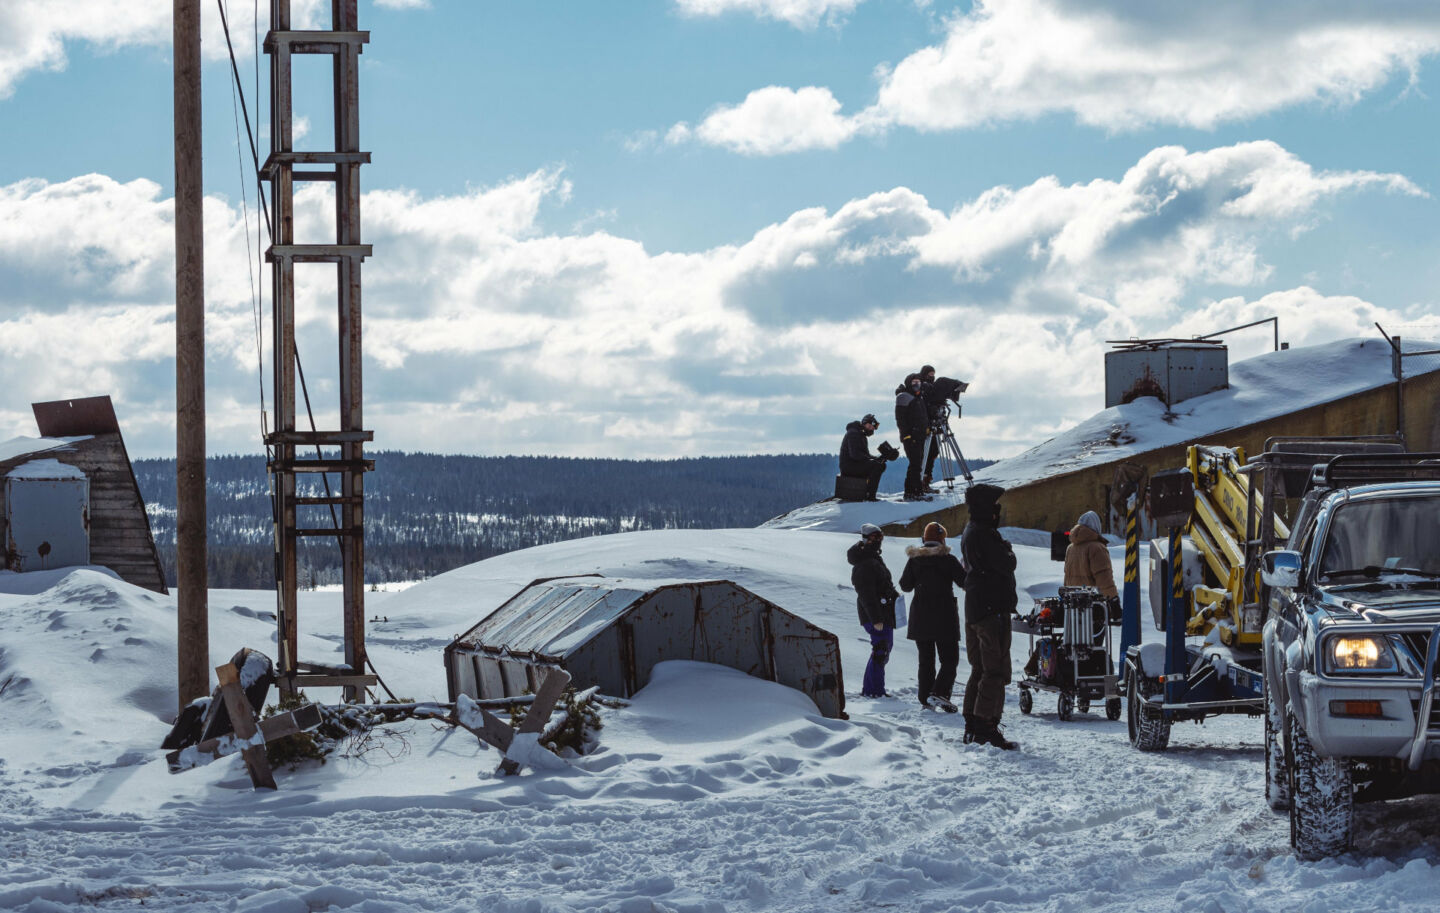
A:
803, 14
35, 34
1119, 65
488, 332
772, 121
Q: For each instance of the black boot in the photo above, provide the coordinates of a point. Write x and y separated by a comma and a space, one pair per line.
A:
969, 729
990, 734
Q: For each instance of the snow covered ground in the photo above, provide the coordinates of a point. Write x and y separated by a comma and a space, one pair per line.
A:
712, 791
1260, 388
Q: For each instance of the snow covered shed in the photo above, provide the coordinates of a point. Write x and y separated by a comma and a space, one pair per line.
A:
611, 633
70, 496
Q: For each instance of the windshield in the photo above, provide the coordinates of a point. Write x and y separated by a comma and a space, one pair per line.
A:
1395, 536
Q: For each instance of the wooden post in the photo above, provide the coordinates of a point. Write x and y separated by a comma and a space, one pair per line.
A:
193, 637
242, 717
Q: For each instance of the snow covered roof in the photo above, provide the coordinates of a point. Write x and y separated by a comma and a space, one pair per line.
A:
555, 616
45, 470
22, 446
1261, 388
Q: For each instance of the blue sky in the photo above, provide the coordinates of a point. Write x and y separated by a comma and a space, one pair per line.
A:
726, 226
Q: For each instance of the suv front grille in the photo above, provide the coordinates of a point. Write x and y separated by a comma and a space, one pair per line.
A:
1418, 642
1434, 713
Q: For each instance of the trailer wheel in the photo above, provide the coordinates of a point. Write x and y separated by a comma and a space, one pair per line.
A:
1149, 730
1027, 701
1065, 707
1322, 799
1112, 708
1277, 771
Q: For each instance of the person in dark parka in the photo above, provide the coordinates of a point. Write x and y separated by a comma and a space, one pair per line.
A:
856, 459
990, 598
934, 615
875, 596
912, 421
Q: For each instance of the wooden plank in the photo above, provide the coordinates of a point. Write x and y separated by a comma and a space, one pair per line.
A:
243, 719
336, 681
301, 719
318, 437
538, 715
492, 730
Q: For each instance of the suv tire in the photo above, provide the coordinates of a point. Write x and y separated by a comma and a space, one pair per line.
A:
1322, 798
1149, 730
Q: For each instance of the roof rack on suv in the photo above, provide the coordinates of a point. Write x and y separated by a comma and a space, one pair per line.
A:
1298, 460
1360, 468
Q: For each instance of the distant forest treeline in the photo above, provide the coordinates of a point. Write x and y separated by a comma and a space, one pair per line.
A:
426, 513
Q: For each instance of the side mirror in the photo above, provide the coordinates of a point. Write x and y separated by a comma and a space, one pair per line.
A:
1281, 568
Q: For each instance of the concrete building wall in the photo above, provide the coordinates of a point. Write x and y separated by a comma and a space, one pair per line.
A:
1057, 502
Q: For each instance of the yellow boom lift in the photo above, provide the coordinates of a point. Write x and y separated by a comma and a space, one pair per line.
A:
1225, 528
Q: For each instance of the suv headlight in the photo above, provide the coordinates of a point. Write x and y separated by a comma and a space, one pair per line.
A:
1359, 653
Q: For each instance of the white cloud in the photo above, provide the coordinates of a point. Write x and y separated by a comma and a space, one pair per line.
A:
35, 34
803, 14
772, 121
488, 332
1119, 65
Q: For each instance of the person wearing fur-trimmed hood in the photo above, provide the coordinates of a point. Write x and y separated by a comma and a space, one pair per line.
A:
875, 596
932, 572
990, 598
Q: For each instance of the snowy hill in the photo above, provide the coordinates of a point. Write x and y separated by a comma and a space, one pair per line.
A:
711, 792
1261, 388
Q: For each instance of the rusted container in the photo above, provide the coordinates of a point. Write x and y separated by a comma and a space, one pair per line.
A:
611, 633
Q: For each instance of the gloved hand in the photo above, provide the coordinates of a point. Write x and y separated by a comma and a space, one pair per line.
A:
1112, 603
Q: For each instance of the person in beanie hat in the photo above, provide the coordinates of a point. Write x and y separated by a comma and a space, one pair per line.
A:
930, 572
856, 460
1087, 561
990, 598
912, 421
875, 599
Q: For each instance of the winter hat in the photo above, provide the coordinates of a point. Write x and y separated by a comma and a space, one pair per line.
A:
1090, 519
869, 419
928, 369
934, 532
868, 529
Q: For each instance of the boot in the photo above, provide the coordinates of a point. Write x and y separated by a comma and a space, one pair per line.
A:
940, 702
990, 734
969, 729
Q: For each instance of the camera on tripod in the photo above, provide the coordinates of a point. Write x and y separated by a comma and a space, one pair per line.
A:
938, 395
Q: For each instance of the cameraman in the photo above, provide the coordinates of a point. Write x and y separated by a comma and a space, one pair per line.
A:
937, 392
912, 420
855, 458
935, 406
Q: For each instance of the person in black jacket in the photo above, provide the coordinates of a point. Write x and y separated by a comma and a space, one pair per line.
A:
990, 598
912, 420
856, 459
875, 596
934, 615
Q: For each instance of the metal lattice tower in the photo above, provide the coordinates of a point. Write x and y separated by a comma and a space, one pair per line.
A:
343, 514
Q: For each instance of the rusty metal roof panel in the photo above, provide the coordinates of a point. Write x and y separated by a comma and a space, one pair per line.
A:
554, 617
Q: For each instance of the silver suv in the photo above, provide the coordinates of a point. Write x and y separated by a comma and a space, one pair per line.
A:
1350, 644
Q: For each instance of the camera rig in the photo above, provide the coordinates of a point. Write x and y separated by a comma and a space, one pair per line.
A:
939, 396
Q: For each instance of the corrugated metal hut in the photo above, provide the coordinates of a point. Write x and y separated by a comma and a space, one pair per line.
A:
79, 439
611, 633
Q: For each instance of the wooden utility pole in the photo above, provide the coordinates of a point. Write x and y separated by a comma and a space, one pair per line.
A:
193, 628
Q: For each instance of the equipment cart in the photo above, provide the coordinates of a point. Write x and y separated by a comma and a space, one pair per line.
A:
1070, 652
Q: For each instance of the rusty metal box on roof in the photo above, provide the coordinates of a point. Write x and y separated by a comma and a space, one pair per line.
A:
612, 633
1170, 370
